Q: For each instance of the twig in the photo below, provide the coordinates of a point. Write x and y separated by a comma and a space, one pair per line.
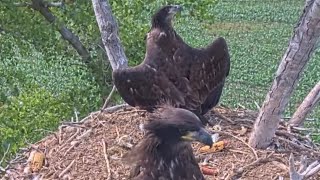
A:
106, 158
5, 154
254, 163
257, 105
85, 134
228, 134
46, 4
107, 101
298, 146
76, 114
67, 168
224, 117
115, 108
70, 139
76, 143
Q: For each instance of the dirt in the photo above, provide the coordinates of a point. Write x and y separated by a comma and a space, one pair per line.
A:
92, 149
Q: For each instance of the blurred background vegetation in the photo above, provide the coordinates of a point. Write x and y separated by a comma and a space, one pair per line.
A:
44, 81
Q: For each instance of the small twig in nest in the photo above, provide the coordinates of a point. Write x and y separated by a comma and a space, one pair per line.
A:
5, 154
228, 134
305, 173
67, 169
74, 143
240, 171
107, 101
106, 158
297, 146
223, 117
294, 135
115, 108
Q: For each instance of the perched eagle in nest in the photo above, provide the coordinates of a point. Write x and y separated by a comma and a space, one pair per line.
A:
173, 71
165, 153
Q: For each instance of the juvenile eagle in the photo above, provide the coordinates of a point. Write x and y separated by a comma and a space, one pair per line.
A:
173, 71
165, 153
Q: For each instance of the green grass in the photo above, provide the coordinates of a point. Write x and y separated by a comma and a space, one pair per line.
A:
257, 33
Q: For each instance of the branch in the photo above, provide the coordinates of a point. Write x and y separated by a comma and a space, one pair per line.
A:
109, 34
304, 171
5, 154
106, 103
54, 4
306, 106
46, 4
42, 7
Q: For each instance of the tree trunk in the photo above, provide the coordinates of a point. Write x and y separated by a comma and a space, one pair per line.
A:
109, 34
306, 106
301, 46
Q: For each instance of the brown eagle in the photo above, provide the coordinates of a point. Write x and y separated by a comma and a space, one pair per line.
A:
173, 71
165, 152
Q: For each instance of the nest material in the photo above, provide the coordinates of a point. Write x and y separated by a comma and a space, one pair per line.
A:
92, 149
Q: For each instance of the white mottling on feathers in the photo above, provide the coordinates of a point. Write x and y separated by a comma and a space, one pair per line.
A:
194, 177
171, 173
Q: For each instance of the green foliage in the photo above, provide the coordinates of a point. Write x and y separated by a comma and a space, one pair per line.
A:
39, 91
30, 116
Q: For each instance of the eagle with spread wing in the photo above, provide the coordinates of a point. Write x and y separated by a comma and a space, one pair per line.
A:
173, 71
165, 152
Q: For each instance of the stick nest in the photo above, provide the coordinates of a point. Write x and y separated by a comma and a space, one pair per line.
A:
92, 149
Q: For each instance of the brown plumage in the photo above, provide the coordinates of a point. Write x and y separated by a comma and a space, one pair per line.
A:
165, 152
173, 71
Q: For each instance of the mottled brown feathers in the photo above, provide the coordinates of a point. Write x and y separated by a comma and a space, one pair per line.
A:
189, 78
162, 154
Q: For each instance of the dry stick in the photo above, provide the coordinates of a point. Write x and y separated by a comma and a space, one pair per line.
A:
71, 147
259, 160
116, 108
224, 117
306, 106
5, 154
106, 158
298, 146
70, 139
313, 171
228, 134
67, 168
107, 101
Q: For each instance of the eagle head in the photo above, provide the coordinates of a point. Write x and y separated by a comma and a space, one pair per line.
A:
164, 16
174, 125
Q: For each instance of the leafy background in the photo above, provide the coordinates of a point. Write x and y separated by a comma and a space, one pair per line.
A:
43, 81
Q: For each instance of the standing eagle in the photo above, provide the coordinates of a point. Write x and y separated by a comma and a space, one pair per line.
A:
173, 71
165, 153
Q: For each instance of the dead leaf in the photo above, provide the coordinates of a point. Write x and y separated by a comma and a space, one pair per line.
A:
37, 161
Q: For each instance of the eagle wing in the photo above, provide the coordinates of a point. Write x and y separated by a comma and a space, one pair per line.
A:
145, 86
206, 72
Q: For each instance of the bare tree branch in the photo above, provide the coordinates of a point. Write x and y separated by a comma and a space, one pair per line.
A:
109, 34
304, 171
46, 4
301, 47
306, 106
42, 7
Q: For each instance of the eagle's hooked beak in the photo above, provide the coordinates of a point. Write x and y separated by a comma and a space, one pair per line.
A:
202, 136
175, 8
